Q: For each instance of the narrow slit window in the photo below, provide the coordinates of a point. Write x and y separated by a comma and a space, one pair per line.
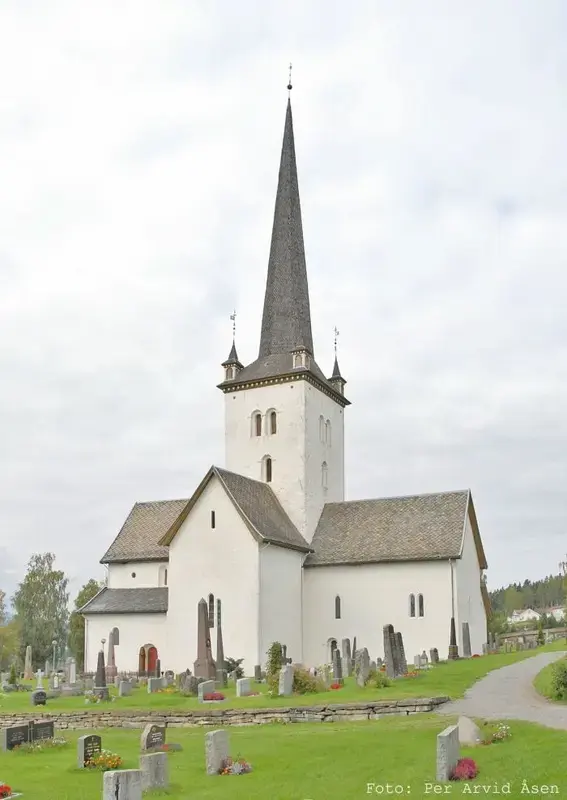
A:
268, 470
337, 607
273, 423
420, 606
258, 425
412, 605
213, 520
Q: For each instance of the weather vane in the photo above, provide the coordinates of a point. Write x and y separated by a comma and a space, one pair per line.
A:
233, 320
337, 333
289, 86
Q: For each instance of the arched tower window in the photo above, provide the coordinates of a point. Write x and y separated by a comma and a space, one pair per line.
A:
322, 429
256, 423
272, 423
211, 611
324, 475
267, 469
420, 606
328, 432
412, 605
337, 607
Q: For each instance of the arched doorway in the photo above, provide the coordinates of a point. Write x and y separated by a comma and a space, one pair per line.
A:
147, 660
331, 647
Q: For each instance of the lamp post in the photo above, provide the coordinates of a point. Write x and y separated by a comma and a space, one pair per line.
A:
563, 569
54, 643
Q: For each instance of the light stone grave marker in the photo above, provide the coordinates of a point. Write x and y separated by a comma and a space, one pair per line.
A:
216, 751
124, 689
87, 747
122, 784
206, 687
155, 771
447, 752
242, 687
285, 687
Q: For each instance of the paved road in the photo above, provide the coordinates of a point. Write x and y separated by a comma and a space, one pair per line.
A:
508, 693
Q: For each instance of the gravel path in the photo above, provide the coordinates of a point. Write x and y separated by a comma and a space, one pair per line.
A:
508, 693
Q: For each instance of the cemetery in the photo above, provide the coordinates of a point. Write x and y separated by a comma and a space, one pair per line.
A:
162, 734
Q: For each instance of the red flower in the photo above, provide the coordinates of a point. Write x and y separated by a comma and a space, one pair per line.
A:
214, 696
465, 770
336, 686
5, 790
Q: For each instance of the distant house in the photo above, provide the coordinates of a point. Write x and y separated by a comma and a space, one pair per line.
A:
557, 612
524, 615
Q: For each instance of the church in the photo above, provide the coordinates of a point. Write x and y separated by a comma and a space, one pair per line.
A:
269, 540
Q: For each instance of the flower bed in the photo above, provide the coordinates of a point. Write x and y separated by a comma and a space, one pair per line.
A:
5, 790
104, 761
336, 686
212, 697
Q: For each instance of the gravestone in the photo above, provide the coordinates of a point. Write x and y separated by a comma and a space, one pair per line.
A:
191, 684
153, 736
28, 671
158, 669
337, 667
417, 661
155, 771
447, 752
466, 640
285, 687
400, 655
205, 687
362, 667
424, 659
72, 672
38, 697
469, 732
324, 674
389, 649
87, 747
15, 736
453, 647
122, 784
154, 685
353, 654
124, 689
221, 673
216, 751
204, 666
258, 673
242, 687
434, 655
41, 730
346, 658
100, 687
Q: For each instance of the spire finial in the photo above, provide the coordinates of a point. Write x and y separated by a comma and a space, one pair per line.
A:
337, 333
289, 85
233, 320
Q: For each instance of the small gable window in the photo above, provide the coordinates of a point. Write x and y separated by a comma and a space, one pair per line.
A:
324, 474
213, 520
412, 605
256, 424
211, 611
337, 607
420, 605
273, 422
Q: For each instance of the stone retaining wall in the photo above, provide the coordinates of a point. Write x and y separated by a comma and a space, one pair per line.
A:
347, 712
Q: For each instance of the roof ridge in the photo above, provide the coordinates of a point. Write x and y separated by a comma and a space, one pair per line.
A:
399, 497
154, 502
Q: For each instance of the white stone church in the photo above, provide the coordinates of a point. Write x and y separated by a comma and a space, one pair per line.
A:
271, 536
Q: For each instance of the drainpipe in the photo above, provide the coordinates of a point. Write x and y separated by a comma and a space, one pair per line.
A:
452, 567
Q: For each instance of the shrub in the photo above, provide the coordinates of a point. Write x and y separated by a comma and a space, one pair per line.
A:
13, 676
559, 679
305, 683
273, 666
234, 665
378, 679
540, 635
465, 770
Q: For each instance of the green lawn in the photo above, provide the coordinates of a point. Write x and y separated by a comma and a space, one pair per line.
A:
295, 762
542, 683
448, 678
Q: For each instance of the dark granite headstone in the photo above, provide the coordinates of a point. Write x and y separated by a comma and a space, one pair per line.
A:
100, 687
153, 737
87, 747
453, 647
389, 650
402, 663
258, 673
158, 668
42, 730
38, 697
15, 736
337, 667
434, 655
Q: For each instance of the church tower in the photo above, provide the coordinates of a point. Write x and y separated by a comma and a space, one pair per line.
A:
284, 421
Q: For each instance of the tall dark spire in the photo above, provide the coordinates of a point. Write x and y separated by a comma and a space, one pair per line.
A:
286, 321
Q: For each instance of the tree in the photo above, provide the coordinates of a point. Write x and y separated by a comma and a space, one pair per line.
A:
9, 644
77, 621
2, 607
40, 603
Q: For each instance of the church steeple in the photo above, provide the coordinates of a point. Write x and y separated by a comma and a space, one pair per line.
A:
286, 320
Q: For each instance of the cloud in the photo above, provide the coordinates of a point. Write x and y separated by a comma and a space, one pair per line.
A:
139, 146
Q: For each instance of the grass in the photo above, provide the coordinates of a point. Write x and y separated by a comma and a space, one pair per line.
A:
451, 679
316, 761
543, 683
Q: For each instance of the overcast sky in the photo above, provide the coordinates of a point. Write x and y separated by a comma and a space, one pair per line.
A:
139, 149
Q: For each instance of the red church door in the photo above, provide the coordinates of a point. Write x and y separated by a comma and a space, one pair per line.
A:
152, 659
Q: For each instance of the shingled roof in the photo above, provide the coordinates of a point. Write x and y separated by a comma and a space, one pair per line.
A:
128, 601
426, 527
258, 506
139, 536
